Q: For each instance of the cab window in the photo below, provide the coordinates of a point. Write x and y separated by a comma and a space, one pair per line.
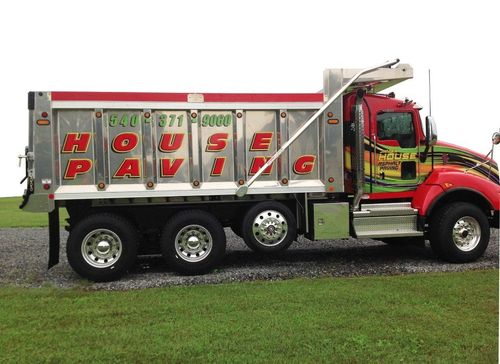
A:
396, 126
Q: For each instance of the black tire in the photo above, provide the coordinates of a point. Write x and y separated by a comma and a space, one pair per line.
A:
209, 242
274, 214
451, 245
91, 260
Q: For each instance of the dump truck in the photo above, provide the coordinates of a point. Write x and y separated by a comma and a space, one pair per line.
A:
150, 173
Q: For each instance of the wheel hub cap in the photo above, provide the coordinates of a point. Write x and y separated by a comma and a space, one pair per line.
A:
466, 233
270, 228
101, 248
193, 243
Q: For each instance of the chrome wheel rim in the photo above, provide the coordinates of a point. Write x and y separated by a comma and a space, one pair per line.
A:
101, 248
269, 228
193, 243
466, 233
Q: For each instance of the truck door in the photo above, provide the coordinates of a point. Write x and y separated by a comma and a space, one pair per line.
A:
395, 153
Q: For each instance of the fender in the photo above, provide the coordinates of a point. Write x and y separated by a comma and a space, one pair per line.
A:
442, 183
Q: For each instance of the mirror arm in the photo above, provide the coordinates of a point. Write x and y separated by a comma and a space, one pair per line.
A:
423, 155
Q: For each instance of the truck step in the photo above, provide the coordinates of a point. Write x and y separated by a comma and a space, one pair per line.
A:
386, 220
386, 209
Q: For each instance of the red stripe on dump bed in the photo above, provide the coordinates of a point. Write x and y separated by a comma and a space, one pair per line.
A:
263, 97
182, 97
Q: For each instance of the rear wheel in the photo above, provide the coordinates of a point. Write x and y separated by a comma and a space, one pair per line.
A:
460, 232
102, 247
193, 242
269, 227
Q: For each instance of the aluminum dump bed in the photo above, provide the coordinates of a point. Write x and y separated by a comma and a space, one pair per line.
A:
114, 145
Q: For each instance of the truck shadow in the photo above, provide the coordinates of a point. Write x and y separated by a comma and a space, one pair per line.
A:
307, 257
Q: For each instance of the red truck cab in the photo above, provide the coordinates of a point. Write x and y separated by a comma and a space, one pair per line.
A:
399, 166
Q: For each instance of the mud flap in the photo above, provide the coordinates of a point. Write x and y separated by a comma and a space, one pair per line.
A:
54, 237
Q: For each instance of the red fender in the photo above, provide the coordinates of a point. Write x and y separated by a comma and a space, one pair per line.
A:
442, 182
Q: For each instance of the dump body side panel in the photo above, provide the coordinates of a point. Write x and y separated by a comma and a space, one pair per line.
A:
161, 145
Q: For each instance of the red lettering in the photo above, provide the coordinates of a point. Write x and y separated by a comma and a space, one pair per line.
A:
130, 167
170, 167
304, 164
218, 166
261, 141
217, 142
76, 143
258, 163
76, 167
125, 142
170, 142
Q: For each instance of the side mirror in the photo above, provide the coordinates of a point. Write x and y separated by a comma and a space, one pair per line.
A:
430, 137
430, 131
495, 139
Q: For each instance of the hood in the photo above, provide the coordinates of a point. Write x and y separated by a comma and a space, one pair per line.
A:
446, 155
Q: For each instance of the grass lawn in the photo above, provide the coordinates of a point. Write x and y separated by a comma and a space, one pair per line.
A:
12, 216
450, 318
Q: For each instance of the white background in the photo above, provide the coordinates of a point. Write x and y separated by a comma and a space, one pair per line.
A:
252, 46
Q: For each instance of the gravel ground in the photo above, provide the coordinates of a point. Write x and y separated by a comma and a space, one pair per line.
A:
25, 254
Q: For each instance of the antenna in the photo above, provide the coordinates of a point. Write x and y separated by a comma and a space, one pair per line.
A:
430, 103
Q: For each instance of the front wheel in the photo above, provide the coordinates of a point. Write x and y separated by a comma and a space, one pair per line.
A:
460, 233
